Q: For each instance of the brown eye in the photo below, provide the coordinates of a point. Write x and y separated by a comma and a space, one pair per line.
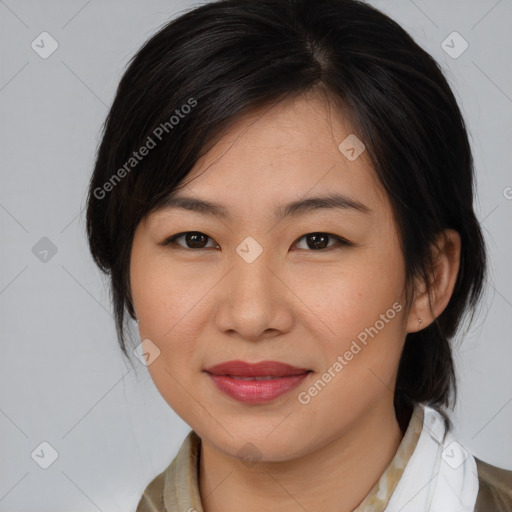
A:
319, 241
193, 240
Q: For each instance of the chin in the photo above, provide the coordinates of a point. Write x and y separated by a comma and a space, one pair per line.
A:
253, 445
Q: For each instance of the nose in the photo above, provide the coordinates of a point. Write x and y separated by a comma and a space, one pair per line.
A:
254, 302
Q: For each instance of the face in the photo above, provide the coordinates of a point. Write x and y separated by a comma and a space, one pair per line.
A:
321, 289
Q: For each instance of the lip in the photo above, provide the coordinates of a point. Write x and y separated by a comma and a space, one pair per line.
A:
239, 368
227, 378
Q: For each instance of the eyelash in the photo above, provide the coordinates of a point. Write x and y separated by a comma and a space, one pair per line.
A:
341, 242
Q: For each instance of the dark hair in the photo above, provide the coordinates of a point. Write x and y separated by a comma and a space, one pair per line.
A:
226, 58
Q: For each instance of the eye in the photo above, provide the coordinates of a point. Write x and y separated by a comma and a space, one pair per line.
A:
318, 241
198, 240
193, 239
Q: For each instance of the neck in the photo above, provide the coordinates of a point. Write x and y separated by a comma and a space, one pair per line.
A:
338, 476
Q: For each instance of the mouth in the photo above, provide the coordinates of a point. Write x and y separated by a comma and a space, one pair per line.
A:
256, 383
265, 377
265, 369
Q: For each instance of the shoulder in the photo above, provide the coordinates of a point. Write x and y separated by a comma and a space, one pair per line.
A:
495, 488
153, 497
176, 486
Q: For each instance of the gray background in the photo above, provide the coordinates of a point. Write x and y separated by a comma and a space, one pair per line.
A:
63, 379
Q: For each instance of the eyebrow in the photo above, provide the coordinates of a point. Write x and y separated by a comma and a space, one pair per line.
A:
292, 209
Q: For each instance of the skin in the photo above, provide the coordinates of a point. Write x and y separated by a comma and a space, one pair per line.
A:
294, 304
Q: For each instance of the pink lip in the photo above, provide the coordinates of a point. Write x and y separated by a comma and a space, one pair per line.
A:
242, 369
256, 391
286, 378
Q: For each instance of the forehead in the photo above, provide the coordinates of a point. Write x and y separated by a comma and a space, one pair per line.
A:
300, 147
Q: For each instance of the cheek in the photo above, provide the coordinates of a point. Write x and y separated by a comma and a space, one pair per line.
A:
172, 304
162, 295
362, 312
351, 296
169, 305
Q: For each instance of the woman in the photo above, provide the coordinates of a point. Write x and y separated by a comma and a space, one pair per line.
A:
283, 199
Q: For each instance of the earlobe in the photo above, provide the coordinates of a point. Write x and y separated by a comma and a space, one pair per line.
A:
420, 314
427, 307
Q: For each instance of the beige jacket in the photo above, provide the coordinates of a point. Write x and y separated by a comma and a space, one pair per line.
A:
177, 489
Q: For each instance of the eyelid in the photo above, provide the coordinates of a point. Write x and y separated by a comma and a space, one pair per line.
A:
341, 241
170, 240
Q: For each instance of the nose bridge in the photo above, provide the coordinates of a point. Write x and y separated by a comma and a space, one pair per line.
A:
252, 301
252, 273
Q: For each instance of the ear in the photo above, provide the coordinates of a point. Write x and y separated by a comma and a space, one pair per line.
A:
446, 252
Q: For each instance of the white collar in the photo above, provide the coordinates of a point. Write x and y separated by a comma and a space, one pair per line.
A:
441, 475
